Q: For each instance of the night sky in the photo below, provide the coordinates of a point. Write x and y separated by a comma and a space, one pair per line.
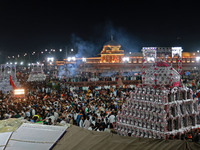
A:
36, 25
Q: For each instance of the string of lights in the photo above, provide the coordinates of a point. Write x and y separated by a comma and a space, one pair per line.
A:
20, 58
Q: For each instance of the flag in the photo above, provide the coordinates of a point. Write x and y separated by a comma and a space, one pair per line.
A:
12, 83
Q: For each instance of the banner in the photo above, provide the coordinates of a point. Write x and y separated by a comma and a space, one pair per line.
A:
12, 83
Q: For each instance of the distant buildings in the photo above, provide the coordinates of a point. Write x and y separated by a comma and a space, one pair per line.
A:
113, 59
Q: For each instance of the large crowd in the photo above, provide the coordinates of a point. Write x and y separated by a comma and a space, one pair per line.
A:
55, 102
90, 108
100, 78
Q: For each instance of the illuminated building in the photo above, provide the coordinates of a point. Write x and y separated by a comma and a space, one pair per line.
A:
111, 52
111, 59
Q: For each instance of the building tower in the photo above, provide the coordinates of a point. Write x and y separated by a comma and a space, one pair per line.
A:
161, 106
111, 52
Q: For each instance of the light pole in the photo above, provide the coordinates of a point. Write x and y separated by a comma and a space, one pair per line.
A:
125, 60
84, 61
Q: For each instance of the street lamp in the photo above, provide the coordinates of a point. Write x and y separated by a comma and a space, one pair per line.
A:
125, 60
84, 61
21, 63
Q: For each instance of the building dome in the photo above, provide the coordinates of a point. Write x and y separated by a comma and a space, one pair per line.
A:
112, 43
162, 73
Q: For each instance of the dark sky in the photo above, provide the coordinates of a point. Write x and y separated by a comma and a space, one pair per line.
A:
36, 25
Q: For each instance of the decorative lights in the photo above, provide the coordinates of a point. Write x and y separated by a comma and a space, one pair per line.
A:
125, 59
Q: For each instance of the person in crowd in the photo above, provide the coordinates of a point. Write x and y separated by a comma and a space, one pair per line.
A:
81, 122
70, 120
111, 119
86, 123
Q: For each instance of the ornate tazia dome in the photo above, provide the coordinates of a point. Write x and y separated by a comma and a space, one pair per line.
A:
112, 43
162, 73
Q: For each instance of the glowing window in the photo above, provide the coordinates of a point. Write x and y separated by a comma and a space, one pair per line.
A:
140, 61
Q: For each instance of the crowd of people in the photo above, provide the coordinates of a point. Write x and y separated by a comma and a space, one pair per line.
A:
99, 78
90, 108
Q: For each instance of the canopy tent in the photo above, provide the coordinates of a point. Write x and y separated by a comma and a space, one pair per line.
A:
28, 135
34, 136
81, 139
3, 139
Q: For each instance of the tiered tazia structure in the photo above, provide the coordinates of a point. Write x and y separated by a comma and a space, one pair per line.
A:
160, 106
36, 74
7, 70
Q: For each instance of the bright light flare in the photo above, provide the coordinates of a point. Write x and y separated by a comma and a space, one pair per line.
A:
150, 59
197, 58
71, 58
50, 59
84, 59
18, 92
124, 59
